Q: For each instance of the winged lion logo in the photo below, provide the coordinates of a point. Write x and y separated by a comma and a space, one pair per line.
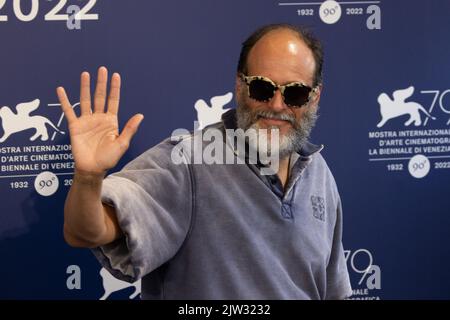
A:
21, 121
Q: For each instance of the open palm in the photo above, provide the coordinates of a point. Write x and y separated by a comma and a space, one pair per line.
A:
96, 143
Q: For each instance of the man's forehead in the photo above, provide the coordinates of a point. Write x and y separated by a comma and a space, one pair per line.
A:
282, 50
278, 37
281, 42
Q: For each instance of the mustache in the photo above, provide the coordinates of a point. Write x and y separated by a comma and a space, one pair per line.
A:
275, 115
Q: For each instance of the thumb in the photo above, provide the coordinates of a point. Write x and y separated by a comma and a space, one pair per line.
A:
130, 129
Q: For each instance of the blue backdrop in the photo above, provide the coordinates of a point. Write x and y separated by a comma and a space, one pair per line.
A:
386, 62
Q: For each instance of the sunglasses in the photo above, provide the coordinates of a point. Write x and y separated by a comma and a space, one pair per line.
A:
295, 94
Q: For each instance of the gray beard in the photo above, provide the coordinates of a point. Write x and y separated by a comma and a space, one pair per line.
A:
292, 141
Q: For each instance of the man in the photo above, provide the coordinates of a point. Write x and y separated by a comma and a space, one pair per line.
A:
198, 231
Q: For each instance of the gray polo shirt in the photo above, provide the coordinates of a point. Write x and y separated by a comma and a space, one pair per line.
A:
198, 231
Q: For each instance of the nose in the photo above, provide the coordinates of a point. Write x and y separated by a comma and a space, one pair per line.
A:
277, 103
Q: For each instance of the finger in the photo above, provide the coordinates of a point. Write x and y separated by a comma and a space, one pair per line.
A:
65, 104
85, 93
100, 90
114, 94
129, 130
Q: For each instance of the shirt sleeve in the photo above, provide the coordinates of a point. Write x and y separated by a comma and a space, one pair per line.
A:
338, 280
152, 197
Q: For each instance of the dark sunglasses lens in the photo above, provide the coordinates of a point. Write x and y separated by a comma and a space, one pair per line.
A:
296, 96
261, 90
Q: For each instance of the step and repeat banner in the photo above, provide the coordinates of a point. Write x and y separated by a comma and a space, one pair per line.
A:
384, 121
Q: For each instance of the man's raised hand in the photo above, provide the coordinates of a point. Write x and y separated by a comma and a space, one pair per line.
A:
96, 143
